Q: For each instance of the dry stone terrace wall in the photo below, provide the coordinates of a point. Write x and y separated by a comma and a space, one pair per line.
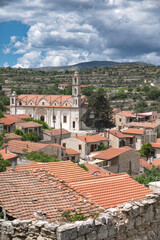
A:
137, 220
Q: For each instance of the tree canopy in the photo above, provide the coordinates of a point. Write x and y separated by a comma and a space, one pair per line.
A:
98, 112
146, 150
41, 157
148, 176
3, 164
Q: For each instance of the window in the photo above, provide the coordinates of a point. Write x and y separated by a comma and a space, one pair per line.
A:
64, 119
66, 104
73, 159
75, 80
74, 124
42, 118
64, 145
75, 91
80, 147
42, 103
20, 103
12, 100
54, 118
120, 119
31, 103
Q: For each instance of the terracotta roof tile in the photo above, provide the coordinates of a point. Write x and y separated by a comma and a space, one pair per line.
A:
92, 138
8, 155
55, 132
38, 195
112, 190
127, 114
19, 116
156, 162
143, 124
16, 146
158, 140
13, 136
9, 120
112, 153
63, 170
145, 164
70, 151
29, 124
119, 134
134, 131
97, 171
155, 145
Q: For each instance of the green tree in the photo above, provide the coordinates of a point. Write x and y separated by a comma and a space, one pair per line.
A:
41, 157
149, 176
98, 112
141, 106
146, 150
3, 164
87, 91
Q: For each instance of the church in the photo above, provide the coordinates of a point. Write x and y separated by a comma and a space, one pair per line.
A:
56, 110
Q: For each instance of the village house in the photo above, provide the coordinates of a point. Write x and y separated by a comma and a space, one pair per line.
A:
154, 126
29, 127
55, 135
118, 160
124, 117
118, 139
141, 136
7, 91
7, 155
156, 147
58, 111
12, 136
62, 86
111, 190
8, 122
85, 144
148, 116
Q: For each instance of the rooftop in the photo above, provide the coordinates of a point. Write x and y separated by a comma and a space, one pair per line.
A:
145, 164
70, 151
143, 124
55, 132
155, 145
29, 124
112, 153
19, 116
110, 191
134, 131
16, 146
38, 195
7, 155
63, 170
92, 138
97, 171
13, 136
127, 114
119, 134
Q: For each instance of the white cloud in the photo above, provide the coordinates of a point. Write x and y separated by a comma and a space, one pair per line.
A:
5, 64
66, 33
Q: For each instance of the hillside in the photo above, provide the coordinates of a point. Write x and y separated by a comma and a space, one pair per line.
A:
128, 75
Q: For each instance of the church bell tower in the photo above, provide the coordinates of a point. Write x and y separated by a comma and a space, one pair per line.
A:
76, 90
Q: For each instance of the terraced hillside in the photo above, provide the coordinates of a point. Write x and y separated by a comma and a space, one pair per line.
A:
128, 75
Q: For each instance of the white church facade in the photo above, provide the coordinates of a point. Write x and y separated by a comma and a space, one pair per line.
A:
56, 110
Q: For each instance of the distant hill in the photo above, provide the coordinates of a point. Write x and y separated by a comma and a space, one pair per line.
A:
87, 65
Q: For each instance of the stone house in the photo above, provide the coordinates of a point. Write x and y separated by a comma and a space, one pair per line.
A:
29, 127
7, 155
118, 139
124, 117
141, 136
154, 126
119, 160
85, 144
55, 135
71, 154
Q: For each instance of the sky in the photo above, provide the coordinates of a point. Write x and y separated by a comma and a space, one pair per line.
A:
41, 33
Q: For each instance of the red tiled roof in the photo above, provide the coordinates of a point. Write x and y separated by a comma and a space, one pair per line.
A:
70, 151
63, 84
8, 155
158, 140
19, 116
97, 170
155, 145
126, 114
119, 134
112, 153
13, 136
26, 193
145, 164
143, 124
92, 138
16, 146
63, 170
112, 190
9, 120
29, 124
156, 162
135, 131
55, 132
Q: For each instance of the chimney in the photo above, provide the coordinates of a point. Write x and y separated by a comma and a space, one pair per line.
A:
5, 148
13, 166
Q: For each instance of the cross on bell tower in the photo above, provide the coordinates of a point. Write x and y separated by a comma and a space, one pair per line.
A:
76, 90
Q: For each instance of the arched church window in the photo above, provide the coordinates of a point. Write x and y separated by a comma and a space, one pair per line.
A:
66, 104
75, 80
12, 100
20, 103
42, 118
74, 124
64, 118
75, 91
76, 102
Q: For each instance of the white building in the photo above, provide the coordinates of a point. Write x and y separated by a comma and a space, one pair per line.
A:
56, 110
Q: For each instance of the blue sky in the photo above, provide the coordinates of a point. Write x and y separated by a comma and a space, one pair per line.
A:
43, 33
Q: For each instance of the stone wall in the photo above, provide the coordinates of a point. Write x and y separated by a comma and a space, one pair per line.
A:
137, 220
